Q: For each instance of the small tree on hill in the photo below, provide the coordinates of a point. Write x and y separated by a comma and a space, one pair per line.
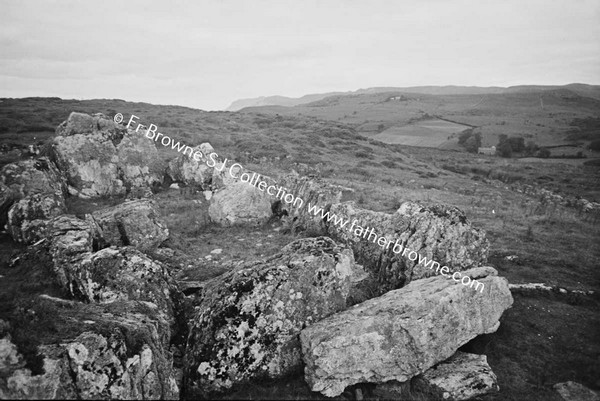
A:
531, 148
517, 143
544, 153
504, 149
473, 143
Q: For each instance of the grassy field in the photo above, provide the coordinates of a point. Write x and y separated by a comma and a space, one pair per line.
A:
543, 339
547, 118
431, 133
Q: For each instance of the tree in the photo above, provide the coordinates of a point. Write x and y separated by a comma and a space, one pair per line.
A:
473, 143
463, 136
544, 153
504, 149
517, 143
531, 148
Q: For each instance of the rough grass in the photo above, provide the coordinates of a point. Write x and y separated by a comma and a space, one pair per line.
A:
543, 339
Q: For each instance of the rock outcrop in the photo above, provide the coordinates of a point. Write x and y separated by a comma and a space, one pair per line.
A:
573, 391
26, 178
440, 233
402, 333
193, 171
118, 274
99, 157
313, 191
461, 377
135, 222
239, 203
33, 176
116, 351
105, 275
248, 319
27, 216
138, 162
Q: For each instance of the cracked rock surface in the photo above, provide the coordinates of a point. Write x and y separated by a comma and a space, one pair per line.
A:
440, 233
248, 319
402, 333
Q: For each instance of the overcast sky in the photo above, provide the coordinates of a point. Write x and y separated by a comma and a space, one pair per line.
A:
206, 54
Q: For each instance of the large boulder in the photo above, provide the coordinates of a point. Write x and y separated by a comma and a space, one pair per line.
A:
442, 234
99, 157
135, 222
106, 275
461, 377
138, 162
25, 178
314, 192
26, 217
118, 274
193, 170
402, 333
7, 198
239, 203
84, 149
116, 351
32, 176
249, 318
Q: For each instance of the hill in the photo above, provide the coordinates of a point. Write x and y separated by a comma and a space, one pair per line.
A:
545, 116
526, 208
592, 91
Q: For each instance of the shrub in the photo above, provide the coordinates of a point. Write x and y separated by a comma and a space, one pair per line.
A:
504, 149
544, 153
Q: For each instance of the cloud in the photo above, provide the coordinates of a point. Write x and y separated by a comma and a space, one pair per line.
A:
207, 54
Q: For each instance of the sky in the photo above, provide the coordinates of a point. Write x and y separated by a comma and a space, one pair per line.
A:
206, 54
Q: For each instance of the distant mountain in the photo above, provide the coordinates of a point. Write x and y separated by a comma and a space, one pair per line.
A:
592, 91
278, 100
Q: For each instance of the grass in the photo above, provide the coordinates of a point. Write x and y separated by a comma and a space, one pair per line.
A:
543, 339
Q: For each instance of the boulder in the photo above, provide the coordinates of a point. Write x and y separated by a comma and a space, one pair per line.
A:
100, 158
7, 198
402, 333
461, 377
248, 319
313, 191
134, 222
118, 274
138, 162
28, 177
26, 217
87, 156
440, 233
68, 240
193, 171
117, 351
239, 203
573, 391
32, 176
108, 275
225, 174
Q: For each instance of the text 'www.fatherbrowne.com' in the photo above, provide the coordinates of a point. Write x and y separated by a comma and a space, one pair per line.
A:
279, 192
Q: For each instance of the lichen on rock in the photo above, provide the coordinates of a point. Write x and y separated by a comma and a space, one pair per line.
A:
248, 319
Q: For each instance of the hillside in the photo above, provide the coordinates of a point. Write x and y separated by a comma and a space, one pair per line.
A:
527, 209
592, 91
546, 117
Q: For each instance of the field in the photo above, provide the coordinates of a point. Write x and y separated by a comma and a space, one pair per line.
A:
431, 133
544, 339
545, 117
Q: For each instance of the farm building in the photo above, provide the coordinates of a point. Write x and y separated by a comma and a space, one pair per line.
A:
487, 151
